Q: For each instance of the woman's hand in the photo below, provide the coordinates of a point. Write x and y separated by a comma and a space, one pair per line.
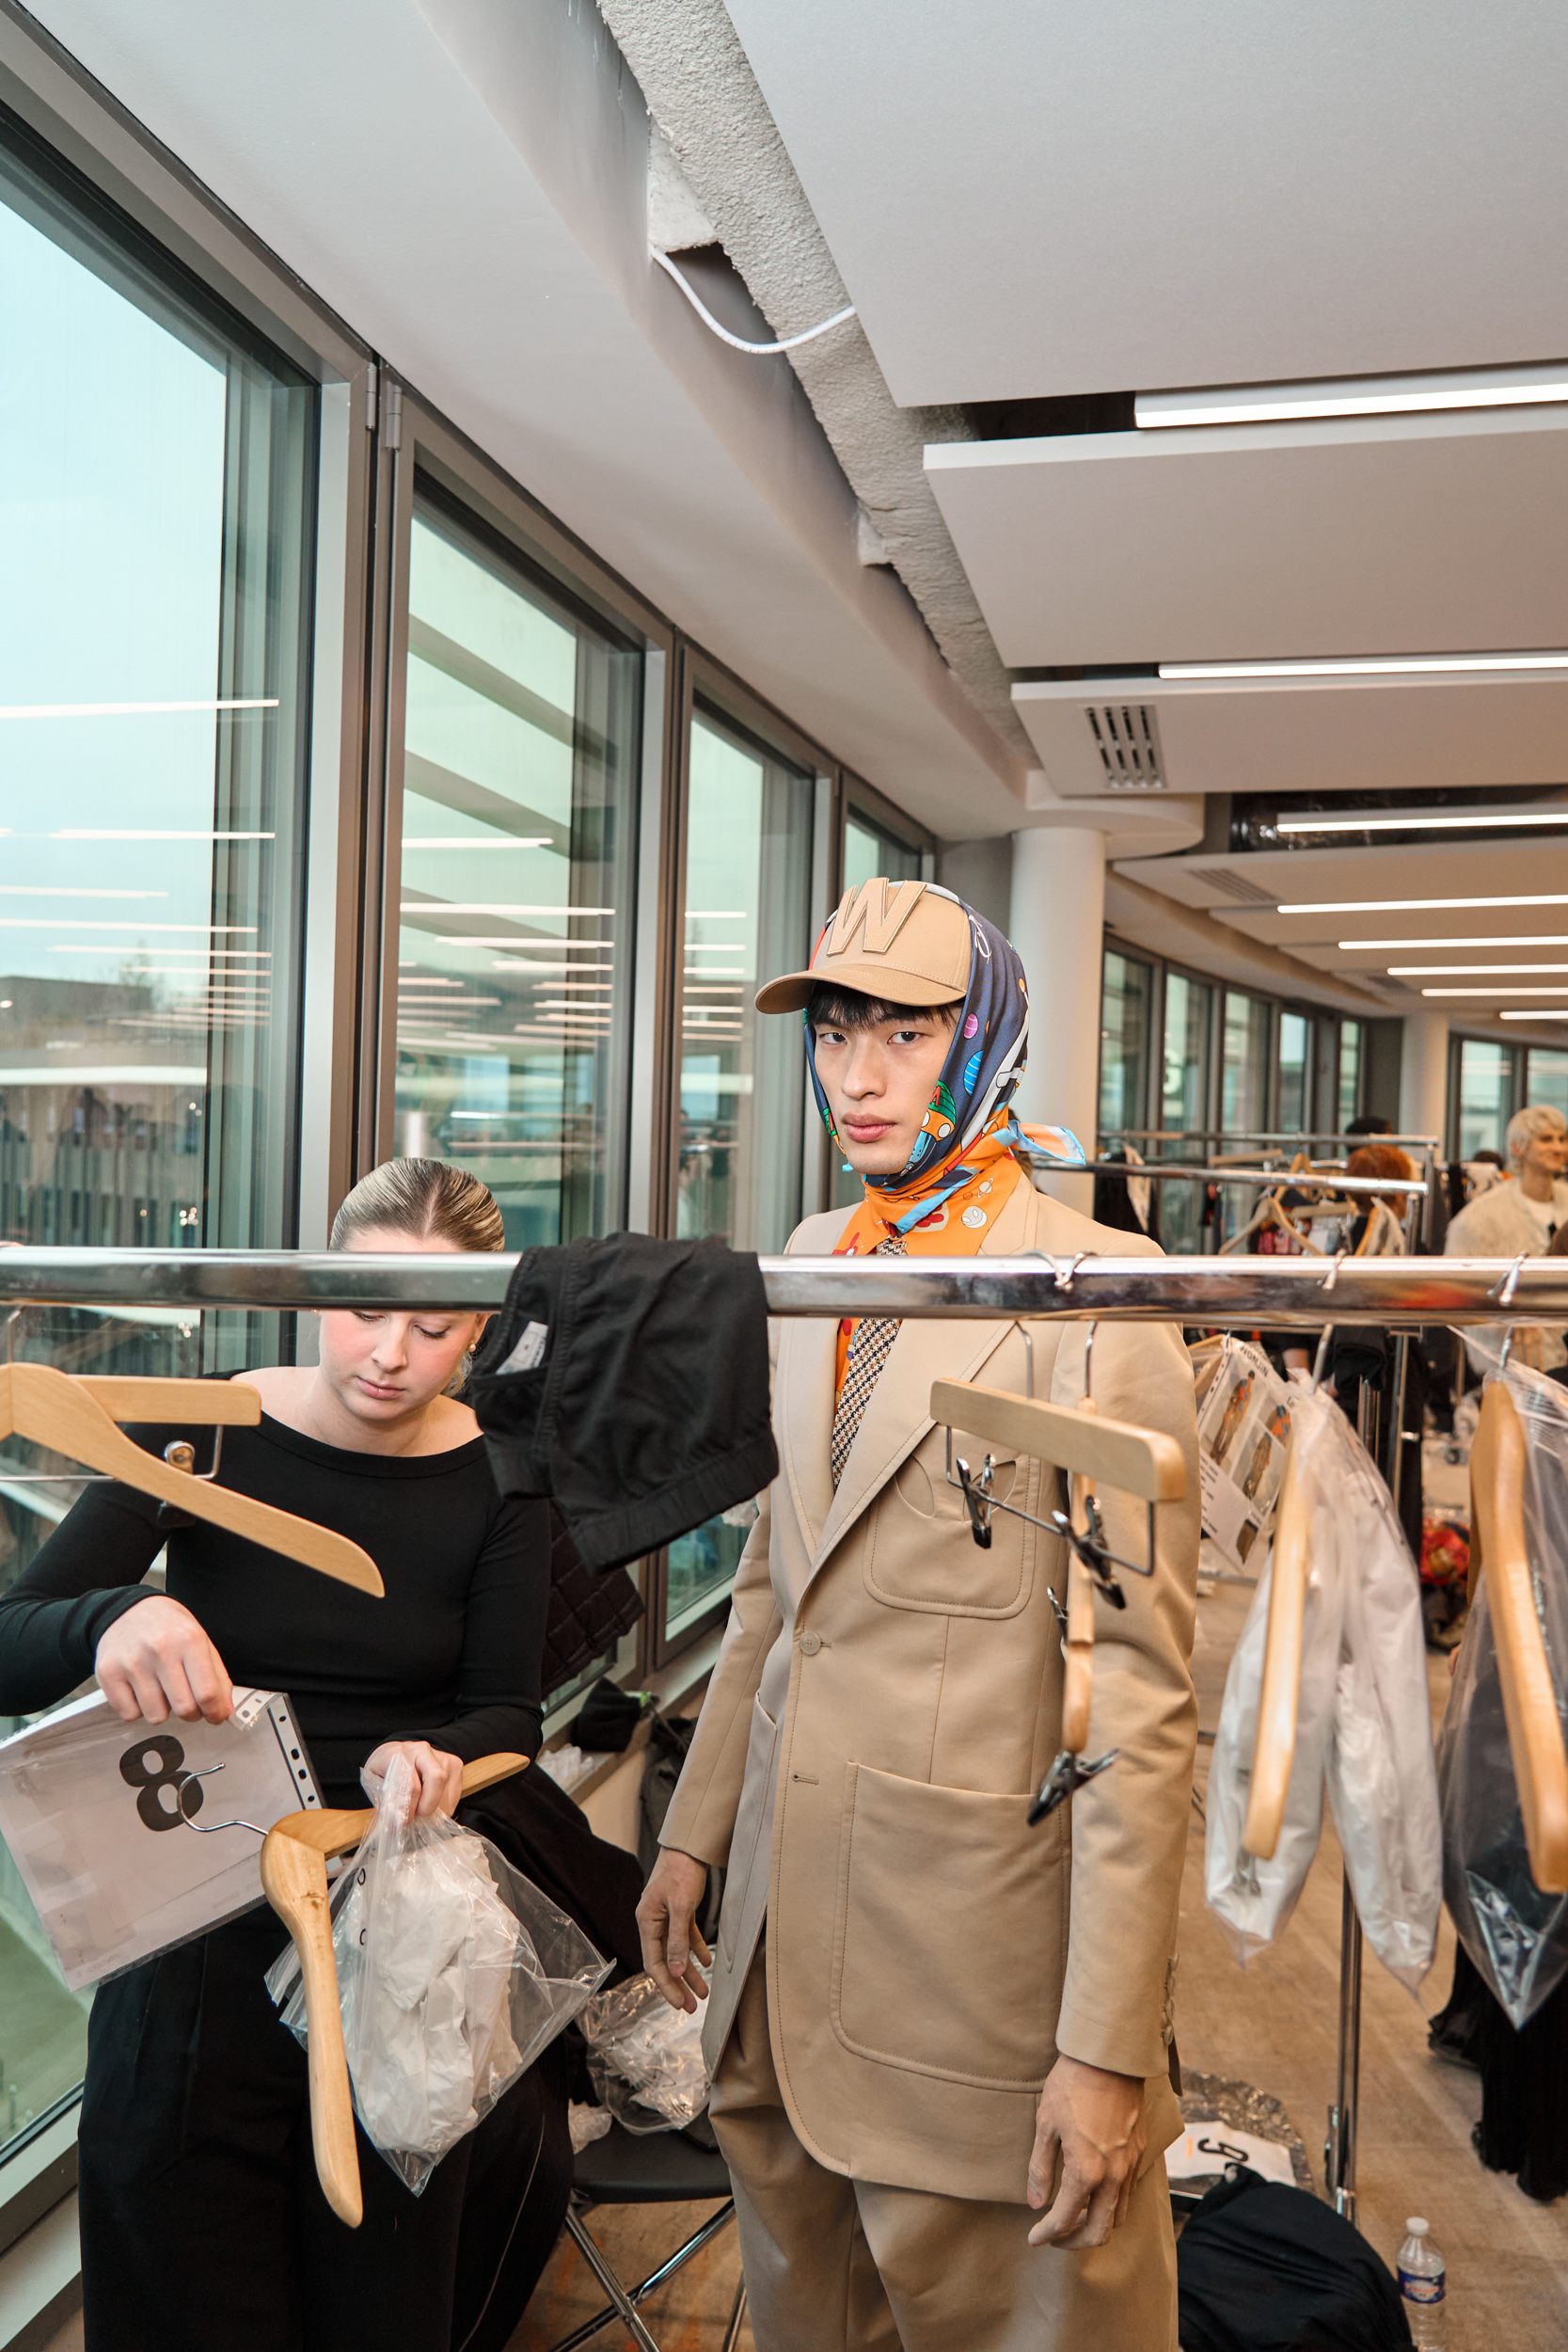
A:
437, 1776
156, 1662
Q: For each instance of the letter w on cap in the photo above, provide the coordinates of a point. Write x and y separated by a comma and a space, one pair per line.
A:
872, 910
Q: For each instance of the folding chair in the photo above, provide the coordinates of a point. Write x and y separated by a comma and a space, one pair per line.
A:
662, 2168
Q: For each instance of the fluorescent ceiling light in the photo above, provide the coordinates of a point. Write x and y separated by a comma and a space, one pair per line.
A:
716, 915
1370, 666
139, 833
1537, 1012
125, 711
1502, 939
1494, 991
1354, 396
1432, 821
527, 963
64, 890
1430, 971
1396, 906
474, 841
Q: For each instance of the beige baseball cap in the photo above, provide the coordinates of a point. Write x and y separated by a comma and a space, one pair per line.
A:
907, 942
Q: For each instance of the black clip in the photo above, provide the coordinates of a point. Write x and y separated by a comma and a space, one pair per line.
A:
1063, 1780
976, 1493
1089, 1545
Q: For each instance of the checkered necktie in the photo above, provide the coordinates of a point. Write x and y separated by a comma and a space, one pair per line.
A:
870, 1345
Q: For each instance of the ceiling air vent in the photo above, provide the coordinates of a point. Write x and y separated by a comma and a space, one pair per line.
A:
1127, 736
1233, 885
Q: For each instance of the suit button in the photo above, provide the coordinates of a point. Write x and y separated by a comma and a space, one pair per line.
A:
810, 1645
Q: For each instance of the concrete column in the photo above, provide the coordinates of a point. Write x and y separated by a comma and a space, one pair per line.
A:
1058, 919
1424, 1075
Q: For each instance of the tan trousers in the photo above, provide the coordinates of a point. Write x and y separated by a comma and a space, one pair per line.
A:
834, 2264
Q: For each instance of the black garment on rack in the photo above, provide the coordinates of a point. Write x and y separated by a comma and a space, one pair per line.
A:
641, 1402
1260, 2267
588, 1613
1523, 2078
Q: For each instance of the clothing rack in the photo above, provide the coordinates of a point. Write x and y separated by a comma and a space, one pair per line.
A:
1234, 1293
1427, 1149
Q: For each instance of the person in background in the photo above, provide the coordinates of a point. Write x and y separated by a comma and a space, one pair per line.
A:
1519, 1217
941, 2039
203, 2220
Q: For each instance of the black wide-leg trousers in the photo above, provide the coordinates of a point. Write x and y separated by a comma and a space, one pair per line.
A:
202, 2222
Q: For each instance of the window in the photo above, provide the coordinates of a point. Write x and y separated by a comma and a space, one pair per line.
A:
1546, 1079
1244, 1064
869, 850
1350, 1042
1183, 1105
1485, 1095
742, 1078
1295, 1068
518, 819
1126, 996
154, 608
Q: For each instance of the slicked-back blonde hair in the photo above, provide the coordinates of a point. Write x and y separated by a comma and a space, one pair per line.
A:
427, 1200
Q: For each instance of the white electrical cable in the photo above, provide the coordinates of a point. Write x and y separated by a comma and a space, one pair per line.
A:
735, 341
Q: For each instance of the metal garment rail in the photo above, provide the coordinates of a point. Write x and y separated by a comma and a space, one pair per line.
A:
1276, 1179
1220, 1293
1402, 1293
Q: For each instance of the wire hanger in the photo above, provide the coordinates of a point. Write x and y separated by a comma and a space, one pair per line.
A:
63, 1412
294, 1855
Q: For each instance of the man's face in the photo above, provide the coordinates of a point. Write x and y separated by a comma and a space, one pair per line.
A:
879, 1083
1545, 1154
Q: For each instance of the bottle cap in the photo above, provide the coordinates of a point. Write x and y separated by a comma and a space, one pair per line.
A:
1416, 2226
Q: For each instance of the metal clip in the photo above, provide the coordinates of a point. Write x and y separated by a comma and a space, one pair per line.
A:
976, 1494
1063, 1780
1091, 1548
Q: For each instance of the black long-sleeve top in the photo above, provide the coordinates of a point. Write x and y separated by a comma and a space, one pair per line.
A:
451, 1655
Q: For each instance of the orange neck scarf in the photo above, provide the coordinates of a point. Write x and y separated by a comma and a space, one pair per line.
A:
954, 1230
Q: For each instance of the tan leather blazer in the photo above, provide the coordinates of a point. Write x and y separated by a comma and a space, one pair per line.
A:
887, 1700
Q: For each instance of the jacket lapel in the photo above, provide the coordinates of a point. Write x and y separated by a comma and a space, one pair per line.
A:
898, 1414
807, 1361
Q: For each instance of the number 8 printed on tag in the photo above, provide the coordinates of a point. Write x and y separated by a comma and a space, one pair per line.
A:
170, 1774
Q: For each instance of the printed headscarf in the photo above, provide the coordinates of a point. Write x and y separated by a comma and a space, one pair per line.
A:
969, 1119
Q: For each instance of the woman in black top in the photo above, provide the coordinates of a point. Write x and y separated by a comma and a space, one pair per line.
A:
202, 2222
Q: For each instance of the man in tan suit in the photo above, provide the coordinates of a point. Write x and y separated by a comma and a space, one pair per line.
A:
927, 2018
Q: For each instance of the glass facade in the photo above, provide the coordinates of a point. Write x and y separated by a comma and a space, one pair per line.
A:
1244, 1064
1296, 1072
1352, 1043
1126, 1003
513, 996
1486, 1102
1546, 1079
746, 903
156, 466
870, 851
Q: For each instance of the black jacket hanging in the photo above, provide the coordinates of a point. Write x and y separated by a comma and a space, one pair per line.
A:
628, 1379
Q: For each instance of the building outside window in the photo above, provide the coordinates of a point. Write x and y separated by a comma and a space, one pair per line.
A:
1244, 1064
513, 983
1125, 1011
1352, 1055
1486, 1095
746, 896
1296, 1072
156, 463
1546, 1079
869, 850
1184, 1105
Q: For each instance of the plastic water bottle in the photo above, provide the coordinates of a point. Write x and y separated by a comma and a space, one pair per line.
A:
1422, 2282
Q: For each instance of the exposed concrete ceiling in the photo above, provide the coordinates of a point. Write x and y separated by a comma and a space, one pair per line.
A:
1025, 200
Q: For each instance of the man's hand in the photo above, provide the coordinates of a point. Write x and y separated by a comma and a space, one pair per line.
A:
666, 1921
1094, 2122
156, 1662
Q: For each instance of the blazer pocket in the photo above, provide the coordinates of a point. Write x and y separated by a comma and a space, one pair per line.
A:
920, 1553
754, 1811
948, 1933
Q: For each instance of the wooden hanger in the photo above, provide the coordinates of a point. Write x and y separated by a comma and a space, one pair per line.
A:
1498, 1460
72, 1417
294, 1854
1270, 1211
1091, 1448
1274, 1750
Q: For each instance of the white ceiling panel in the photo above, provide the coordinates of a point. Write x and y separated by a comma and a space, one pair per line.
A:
1380, 535
1047, 199
1311, 735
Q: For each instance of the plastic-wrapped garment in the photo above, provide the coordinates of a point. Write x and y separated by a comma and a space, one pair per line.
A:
1363, 1725
645, 2058
1517, 1937
453, 1972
